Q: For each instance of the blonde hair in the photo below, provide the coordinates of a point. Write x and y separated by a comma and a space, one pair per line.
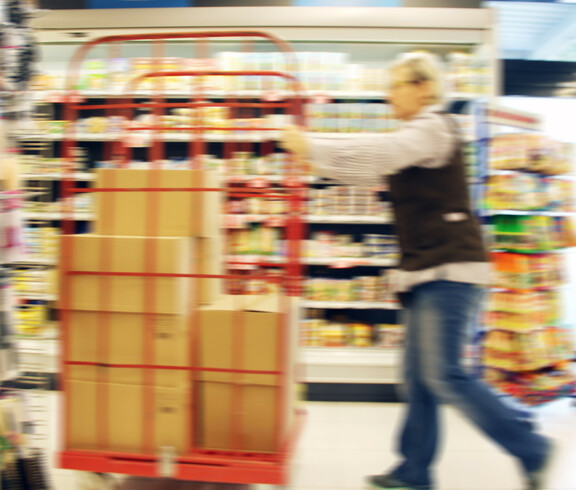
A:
423, 66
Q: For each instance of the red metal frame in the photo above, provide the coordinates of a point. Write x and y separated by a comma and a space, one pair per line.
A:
200, 464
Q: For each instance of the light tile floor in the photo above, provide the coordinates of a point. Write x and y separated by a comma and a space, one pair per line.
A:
343, 442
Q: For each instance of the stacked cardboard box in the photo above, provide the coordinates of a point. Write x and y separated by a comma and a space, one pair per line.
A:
168, 214
247, 411
147, 320
138, 320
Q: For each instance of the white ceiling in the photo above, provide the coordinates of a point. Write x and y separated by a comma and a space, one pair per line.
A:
536, 30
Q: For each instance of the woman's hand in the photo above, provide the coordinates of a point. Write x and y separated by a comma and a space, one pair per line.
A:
294, 141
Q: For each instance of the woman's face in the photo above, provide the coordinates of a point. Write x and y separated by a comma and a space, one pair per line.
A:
406, 95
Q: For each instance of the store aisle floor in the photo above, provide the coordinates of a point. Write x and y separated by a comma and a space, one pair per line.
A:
343, 442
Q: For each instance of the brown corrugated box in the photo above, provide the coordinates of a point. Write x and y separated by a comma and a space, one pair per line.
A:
241, 332
112, 415
177, 213
119, 338
172, 295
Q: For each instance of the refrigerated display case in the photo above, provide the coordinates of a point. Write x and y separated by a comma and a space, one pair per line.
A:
341, 54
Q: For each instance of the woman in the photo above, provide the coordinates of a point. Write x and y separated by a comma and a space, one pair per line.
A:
443, 269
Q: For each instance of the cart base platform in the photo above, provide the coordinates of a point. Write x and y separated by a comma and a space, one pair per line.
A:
229, 467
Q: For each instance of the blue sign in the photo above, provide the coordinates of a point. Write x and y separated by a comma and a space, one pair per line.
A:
138, 4
348, 3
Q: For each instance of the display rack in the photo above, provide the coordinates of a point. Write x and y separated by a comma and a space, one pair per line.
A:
527, 346
23, 435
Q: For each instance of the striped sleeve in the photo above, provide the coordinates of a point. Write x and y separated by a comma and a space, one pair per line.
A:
425, 141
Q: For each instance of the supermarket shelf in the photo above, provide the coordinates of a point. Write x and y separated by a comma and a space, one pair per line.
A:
362, 305
268, 178
565, 176
37, 296
349, 219
55, 95
337, 262
58, 216
227, 134
528, 369
350, 135
247, 218
36, 261
351, 365
531, 288
251, 259
528, 252
48, 346
236, 219
494, 212
58, 176
232, 178
143, 140
350, 262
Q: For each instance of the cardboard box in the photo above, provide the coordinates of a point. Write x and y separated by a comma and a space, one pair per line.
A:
240, 411
167, 378
113, 416
126, 413
129, 254
119, 338
158, 213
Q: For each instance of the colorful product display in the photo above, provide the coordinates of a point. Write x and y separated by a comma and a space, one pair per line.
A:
351, 118
319, 332
361, 288
246, 285
524, 271
520, 310
30, 282
318, 72
215, 120
534, 388
241, 163
525, 191
247, 163
329, 244
533, 233
41, 242
525, 351
529, 351
467, 73
79, 204
347, 200
256, 240
530, 152
30, 319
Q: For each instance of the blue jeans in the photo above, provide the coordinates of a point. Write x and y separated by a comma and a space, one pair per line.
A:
439, 317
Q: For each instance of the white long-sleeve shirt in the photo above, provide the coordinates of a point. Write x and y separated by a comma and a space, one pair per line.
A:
427, 141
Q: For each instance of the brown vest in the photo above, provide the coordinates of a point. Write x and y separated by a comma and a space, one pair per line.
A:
434, 220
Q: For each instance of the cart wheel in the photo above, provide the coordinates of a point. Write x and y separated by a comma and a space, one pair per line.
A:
96, 481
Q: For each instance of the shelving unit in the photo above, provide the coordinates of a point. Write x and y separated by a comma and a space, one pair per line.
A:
365, 35
527, 347
353, 364
345, 305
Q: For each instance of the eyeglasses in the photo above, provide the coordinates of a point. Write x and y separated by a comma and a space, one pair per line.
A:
400, 83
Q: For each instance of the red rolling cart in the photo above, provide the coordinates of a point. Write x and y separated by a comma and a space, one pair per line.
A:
274, 95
